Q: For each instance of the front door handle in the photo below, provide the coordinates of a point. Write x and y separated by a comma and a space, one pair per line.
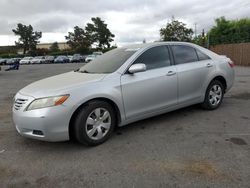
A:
209, 65
171, 73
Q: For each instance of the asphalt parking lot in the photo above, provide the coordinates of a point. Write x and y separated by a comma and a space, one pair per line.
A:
185, 148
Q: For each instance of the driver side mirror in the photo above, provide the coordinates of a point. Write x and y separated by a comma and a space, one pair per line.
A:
140, 67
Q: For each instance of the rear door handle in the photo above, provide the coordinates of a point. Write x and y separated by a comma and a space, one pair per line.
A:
171, 73
209, 65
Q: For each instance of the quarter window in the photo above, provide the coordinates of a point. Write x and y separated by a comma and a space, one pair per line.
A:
184, 54
155, 57
202, 56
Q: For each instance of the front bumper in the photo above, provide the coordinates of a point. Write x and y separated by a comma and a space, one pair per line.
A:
48, 124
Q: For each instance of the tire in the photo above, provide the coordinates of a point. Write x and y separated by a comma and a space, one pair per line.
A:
94, 123
214, 95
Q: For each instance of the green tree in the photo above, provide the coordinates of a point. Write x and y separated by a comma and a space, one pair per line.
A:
99, 33
54, 47
79, 40
176, 31
28, 38
230, 31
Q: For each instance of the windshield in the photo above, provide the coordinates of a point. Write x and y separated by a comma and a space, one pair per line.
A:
108, 62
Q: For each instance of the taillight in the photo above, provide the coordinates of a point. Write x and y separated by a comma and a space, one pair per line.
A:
231, 64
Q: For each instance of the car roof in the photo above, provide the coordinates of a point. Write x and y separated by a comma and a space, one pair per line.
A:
137, 47
143, 45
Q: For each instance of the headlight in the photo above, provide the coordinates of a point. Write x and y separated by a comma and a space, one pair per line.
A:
47, 102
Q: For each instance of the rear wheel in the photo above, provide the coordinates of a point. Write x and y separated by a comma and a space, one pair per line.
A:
214, 95
94, 123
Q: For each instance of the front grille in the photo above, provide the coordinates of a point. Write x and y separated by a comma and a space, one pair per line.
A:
19, 103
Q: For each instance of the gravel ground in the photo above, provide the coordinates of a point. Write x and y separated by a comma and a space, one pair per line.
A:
185, 148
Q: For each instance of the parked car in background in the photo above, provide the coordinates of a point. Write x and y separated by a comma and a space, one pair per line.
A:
120, 87
70, 58
76, 58
97, 53
12, 61
49, 59
61, 59
38, 60
18, 59
92, 56
84, 58
26, 60
3, 61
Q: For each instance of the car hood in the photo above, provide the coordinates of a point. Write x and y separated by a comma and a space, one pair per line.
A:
58, 84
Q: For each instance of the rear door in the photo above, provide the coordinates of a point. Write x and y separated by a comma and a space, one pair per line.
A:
193, 69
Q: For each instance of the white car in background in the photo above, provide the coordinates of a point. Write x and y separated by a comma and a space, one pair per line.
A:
70, 58
93, 56
90, 58
26, 60
38, 60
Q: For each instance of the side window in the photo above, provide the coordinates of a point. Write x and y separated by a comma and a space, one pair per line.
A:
202, 56
155, 57
184, 54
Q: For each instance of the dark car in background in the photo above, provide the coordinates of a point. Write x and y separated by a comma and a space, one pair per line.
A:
12, 61
61, 59
3, 61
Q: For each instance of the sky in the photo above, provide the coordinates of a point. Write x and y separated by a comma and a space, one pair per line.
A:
131, 21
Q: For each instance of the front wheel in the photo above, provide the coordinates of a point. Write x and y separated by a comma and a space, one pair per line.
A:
94, 123
214, 95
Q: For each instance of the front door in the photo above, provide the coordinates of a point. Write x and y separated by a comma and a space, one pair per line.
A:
152, 90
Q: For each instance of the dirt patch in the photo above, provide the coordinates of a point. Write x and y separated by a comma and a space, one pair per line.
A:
203, 169
45, 181
237, 141
242, 96
20, 184
7, 172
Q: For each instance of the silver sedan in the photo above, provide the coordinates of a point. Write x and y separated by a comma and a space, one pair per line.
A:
120, 87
